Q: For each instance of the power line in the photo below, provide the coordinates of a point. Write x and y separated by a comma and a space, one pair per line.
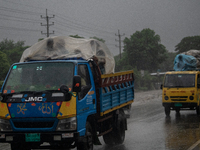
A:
67, 22
47, 25
80, 26
18, 29
19, 20
119, 35
18, 11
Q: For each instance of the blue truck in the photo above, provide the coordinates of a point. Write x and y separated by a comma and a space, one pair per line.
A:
63, 103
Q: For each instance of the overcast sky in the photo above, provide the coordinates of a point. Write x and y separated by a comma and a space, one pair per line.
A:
171, 19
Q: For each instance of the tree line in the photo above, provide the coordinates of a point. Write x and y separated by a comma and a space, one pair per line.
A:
142, 52
10, 52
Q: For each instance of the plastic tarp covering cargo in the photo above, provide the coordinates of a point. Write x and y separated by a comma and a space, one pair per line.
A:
184, 62
196, 54
61, 47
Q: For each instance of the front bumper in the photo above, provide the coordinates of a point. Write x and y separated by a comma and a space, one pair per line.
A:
66, 138
175, 105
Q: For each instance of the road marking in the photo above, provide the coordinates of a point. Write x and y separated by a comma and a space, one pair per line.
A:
194, 145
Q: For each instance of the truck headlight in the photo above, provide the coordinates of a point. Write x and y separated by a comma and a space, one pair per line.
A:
5, 125
68, 124
166, 97
191, 97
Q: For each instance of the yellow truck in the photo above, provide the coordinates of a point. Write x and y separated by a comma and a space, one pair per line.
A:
181, 91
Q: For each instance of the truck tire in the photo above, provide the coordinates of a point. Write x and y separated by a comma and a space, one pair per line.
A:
88, 144
119, 130
198, 110
109, 138
167, 111
117, 135
20, 146
177, 110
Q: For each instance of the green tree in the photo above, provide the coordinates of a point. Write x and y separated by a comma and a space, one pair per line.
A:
12, 50
40, 39
76, 36
99, 39
144, 50
122, 64
6, 44
4, 67
188, 43
168, 64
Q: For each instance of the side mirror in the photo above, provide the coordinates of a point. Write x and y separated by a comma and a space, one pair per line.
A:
76, 87
161, 86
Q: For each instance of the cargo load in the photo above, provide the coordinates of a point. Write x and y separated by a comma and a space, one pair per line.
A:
61, 47
184, 62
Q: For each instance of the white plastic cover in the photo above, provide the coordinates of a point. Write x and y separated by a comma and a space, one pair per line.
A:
60, 47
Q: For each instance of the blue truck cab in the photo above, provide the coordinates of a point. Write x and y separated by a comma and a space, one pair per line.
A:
64, 103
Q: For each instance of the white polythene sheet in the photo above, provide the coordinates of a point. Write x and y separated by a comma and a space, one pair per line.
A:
61, 47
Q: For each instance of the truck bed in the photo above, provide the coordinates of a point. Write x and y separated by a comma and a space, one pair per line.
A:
116, 91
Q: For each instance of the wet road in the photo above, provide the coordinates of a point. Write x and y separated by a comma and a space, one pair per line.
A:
149, 129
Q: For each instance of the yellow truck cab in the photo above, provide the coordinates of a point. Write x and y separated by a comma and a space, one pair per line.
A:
180, 91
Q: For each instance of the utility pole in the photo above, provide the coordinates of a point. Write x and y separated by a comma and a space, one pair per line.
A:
119, 35
47, 25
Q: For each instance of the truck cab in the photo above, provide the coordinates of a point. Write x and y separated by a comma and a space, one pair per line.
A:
35, 100
181, 91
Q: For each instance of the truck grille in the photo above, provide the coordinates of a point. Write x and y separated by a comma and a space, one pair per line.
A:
178, 98
33, 124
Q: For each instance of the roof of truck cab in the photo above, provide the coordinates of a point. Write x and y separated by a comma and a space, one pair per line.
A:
59, 60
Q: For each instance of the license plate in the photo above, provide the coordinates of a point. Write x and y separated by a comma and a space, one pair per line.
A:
67, 135
33, 137
178, 105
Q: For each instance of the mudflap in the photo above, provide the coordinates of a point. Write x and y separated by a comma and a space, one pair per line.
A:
96, 139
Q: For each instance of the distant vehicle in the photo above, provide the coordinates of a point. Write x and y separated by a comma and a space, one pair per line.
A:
181, 91
66, 101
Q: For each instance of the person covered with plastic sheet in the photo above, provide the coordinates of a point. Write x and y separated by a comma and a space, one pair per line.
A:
85, 80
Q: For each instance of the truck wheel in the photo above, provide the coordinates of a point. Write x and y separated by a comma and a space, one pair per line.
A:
20, 146
117, 135
109, 138
177, 110
88, 144
119, 132
198, 110
119, 129
167, 111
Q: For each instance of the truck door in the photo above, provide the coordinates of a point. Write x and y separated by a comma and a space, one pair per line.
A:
86, 99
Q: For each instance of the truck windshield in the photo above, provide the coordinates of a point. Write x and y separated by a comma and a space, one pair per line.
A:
39, 77
179, 80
